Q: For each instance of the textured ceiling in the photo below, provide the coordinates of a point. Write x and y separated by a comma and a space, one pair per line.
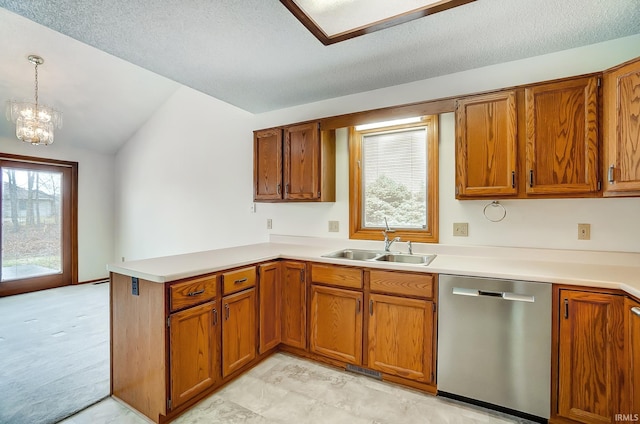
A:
254, 54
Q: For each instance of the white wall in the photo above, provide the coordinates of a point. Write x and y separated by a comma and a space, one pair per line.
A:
185, 179
95, 201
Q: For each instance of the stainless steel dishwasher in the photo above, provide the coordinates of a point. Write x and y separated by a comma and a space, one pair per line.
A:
494, 344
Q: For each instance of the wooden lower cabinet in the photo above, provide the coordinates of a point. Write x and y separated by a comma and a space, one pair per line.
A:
194, 351
632, 344
238, 330
270, 305
294, 304
400, 334
590, 356
336, 323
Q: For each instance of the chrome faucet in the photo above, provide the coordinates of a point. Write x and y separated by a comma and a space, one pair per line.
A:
387, 241
410, 247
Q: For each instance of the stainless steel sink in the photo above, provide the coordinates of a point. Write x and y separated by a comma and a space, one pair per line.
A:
406, 259
355, 254
375, 255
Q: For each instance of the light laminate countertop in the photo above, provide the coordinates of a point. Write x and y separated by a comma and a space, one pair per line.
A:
586, 268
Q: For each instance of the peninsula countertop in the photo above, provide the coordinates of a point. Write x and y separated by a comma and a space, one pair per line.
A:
613, 270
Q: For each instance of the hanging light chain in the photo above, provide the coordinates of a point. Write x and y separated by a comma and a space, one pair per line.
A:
36, 87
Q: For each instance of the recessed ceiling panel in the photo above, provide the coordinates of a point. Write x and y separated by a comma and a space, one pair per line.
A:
338, 20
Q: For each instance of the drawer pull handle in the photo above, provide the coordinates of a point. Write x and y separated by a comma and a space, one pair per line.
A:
357, 306
371, 307
240, 281
196, 293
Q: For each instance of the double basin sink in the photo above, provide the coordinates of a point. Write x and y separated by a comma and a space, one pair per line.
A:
378, 256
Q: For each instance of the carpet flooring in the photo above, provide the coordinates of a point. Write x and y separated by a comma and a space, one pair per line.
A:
54, 353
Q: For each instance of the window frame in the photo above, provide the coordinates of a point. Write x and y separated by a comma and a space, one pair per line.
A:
69, 274
356, 228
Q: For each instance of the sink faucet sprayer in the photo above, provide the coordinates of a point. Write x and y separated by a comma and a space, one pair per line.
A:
387, 242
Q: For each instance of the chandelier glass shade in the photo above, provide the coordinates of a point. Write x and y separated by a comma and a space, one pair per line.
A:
35, 122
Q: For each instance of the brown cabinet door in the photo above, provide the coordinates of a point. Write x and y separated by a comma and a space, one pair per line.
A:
622, 130
302, 162
270, 295
267, 164
238, 330
336, 323
590, 356
194, 349
401, 336
562, 137
632, 310
486, 145
294, 305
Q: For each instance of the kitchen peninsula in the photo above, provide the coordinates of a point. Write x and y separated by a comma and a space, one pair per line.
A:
184, 325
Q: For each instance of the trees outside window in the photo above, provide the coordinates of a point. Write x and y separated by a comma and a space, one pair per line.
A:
393, 175
38, 231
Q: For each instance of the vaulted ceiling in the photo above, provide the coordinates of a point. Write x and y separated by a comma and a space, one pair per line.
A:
257, 56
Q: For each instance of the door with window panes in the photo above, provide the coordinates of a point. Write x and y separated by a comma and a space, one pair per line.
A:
38, 231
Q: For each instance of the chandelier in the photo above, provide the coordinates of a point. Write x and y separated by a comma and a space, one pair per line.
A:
34, 122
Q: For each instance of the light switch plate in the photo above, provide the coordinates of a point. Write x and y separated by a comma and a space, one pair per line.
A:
334, 226
269, 224
461, 229
584, 231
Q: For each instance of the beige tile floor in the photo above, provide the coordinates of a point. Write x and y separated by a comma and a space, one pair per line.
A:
286, 389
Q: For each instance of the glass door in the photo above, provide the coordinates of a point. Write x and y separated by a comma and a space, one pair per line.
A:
37, 232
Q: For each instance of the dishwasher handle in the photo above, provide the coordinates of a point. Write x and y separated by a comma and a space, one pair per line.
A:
488, 293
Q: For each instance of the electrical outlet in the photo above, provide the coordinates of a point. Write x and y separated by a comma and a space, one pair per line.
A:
584, 231
334, 226
269, 224
252, 208
461, 229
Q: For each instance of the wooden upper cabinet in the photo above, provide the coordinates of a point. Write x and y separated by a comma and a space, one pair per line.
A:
270, 301
486, 145
194, 349
267, 164
294, 304
590, 356
302, 162
296, 163
621, 108
562, 137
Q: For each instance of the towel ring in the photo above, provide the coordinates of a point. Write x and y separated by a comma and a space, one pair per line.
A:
499, 216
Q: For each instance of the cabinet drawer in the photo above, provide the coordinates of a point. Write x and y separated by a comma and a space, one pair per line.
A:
337, 276
192, 292
236, 281
402, 283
